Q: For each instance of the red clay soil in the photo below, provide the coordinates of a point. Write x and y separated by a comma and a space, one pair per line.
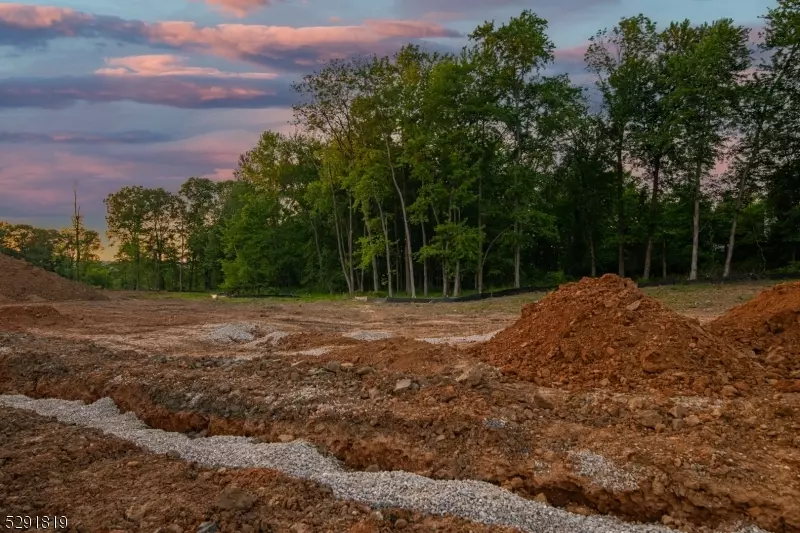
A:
21, 317
769, 325
101, 484
607, 333
23, 282
398, 355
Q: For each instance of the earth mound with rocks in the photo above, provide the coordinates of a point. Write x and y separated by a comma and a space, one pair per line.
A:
22, 282
605, 332
769, 326
20, 317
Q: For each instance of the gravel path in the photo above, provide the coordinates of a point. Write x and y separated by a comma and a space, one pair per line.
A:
474, 500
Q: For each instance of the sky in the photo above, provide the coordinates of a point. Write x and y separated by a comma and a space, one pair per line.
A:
150, 92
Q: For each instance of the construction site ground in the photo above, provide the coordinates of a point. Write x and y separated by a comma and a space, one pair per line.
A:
426, 389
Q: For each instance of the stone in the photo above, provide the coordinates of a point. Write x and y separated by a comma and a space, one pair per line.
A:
373, 393
286, 437
471, 377
541, 498
402, 385
364, 370
677, 424
225, 388
233, 498
649, 419
401, 523
300, 527
729, 391
635, 404
333, 366
692, 421
208, 527
679, 411
175, 528
541, 402
774, 359
448, 394
135, 513
667, 520
634, 306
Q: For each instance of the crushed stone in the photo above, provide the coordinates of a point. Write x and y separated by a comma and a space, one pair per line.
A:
233, 333
368, 335
603, 472
474, 500
468, 339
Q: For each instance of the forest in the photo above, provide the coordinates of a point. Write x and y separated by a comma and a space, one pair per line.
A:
427, 173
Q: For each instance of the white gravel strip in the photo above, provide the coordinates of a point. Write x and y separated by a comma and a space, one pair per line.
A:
232, 333
604, 473
368, 335
469, 339
474, 500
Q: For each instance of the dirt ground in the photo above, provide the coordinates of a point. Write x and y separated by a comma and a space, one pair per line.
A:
399, 387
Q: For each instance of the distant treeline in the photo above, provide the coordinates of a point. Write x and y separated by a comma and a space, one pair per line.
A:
426, 173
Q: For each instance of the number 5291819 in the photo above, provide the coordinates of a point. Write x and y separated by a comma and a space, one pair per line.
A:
37, 522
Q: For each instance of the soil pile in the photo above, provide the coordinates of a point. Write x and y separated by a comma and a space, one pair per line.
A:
23, 282
606, 333
16, 317
769, 325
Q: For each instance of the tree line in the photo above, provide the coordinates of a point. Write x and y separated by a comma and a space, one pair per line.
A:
439, 173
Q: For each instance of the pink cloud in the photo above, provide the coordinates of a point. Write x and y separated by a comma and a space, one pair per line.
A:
254, 43
239, 8
169, 65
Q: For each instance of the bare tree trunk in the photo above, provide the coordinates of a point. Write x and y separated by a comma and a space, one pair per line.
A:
424, 264
319, 250
664, 259
479, 273
406, 227
350, 241
517, 257
620, 212
651, 227
76, 221
457, 282
696, 223
592, 256
388, 253
445, 280
726, 271
339, 243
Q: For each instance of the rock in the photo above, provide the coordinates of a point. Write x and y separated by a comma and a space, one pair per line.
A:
333, 366
700, 384
173, 454
471, 377
678, 411
286, 437
649, 419
373, 393
729, 391
677, 424
300, 527
667, 520
692, 421
741, 386
541, 402
364, 370
610, 350
234, 498
135, 513
401, 523
225, 388
634, 306
175, 528
208, 527
635, 404
541, 498
774, 359
365, 395
448, 393
402, 385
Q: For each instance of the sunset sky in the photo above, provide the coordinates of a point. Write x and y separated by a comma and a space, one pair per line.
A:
151, 92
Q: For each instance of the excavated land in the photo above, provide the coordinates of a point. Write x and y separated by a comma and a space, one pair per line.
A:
598, 409
22, 282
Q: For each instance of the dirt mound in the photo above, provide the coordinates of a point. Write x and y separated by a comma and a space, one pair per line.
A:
606, 332
23, 282
769, 325
19, 317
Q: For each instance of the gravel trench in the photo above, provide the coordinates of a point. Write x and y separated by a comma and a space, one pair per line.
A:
473, 500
